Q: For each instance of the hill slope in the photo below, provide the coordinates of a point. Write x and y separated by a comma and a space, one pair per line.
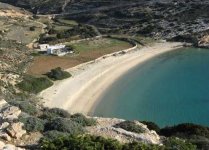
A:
167, 19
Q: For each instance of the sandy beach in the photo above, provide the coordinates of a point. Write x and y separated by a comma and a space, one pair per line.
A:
81, 92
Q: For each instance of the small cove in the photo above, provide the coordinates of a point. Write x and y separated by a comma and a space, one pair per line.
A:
168, 89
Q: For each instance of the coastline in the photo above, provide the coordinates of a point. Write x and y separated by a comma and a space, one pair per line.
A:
81, 93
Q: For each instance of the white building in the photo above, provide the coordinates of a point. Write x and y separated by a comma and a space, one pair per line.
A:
56, 49
59, 50
43, 47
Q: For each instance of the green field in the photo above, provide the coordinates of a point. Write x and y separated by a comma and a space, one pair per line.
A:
63, 24
67, 22
100, 45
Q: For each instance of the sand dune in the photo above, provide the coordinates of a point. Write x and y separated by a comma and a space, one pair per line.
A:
81, 92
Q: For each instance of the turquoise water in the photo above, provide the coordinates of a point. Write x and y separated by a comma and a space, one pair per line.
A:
169, 89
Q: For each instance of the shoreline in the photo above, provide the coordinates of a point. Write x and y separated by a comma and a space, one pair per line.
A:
81, 93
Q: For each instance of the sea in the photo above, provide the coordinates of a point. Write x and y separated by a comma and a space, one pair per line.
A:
169, 89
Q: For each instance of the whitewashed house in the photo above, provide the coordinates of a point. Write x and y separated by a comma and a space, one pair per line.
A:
59, 50
56, 50
43, 47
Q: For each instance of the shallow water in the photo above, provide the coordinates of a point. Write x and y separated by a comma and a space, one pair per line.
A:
169, 89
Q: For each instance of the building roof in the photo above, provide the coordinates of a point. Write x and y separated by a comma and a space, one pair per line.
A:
56, 47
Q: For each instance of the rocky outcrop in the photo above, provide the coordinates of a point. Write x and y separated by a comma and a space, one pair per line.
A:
2, 103
9, 128
204, 41
10, 113
4, 146
5, 136
106, 128
3, 65
10, 78
8, 125
15, 130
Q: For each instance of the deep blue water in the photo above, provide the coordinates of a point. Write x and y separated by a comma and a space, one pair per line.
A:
169, 89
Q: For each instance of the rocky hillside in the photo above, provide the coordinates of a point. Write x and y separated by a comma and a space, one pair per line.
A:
107, 127
159, 19
179, 20
38, 6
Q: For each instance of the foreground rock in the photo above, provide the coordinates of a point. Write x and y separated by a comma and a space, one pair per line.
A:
15, 130
105, 127
9, 128
4, 146
10, 113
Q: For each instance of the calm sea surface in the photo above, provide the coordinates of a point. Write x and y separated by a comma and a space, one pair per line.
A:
169, 89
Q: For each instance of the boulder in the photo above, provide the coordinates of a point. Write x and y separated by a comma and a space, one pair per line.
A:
10, 113
4, 125
5, 136
106, 127
11, 147
9, 78
16, 130
2, 103
2, 145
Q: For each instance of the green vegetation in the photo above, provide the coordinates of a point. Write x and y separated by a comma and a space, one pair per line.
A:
130, 126
32, 124
61, 25
185, 130
143, 40
54, 134
88, 142
62, 30
33, 28
67, 21
58, 74
35, 54
84, 31
141, 146
64, 131
34, 85
100, 45
56, 122
26, 106
196, 134
151, 126
47, 39
1, 52
80, 143
54, 113
64, 125
178, 144
82, 120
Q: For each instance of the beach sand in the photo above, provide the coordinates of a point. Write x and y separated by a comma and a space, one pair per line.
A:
80, 93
